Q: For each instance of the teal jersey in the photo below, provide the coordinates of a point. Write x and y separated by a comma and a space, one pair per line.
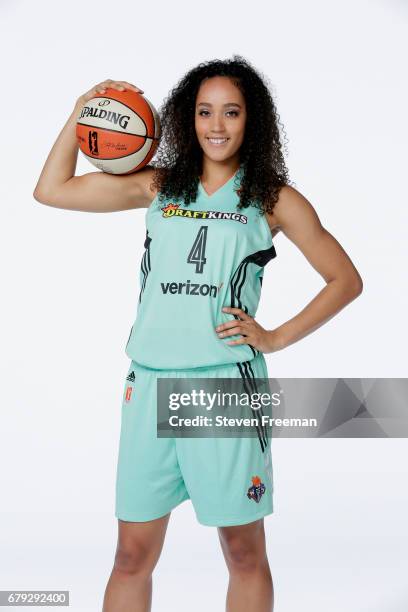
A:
198, 258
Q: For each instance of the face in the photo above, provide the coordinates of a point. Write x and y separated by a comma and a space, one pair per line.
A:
220, 113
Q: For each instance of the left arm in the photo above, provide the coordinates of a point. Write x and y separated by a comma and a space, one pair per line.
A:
296, 218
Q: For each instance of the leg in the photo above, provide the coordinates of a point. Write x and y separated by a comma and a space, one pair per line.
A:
250, 587
129, 588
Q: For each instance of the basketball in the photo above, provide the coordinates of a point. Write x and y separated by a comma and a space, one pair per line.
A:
118, 131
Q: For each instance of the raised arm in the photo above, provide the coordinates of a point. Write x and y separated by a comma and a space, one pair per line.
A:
95, 191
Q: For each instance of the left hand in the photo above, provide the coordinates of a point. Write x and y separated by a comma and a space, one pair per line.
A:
254, 334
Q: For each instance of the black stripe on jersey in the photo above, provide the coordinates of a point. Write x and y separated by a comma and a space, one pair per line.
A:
145, 265
248, 365
145, 272
243, 370
260, 258
251, 376
129, 337
241, 283
236, 293
145, 268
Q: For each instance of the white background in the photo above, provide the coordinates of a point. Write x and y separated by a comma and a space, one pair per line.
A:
337, 539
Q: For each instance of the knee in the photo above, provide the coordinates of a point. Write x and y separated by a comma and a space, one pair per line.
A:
241, 557
134, 560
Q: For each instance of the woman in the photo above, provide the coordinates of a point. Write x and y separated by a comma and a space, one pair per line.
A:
218, 194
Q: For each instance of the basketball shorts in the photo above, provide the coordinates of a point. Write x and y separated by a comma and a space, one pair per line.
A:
229, 480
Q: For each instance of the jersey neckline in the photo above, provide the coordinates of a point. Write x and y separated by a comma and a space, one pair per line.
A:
217, 192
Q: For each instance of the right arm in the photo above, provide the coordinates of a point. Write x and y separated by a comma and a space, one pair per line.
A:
95, 191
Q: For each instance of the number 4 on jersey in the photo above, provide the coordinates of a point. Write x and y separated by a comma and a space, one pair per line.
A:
197, 253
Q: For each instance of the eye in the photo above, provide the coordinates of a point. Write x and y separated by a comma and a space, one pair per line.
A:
234, 112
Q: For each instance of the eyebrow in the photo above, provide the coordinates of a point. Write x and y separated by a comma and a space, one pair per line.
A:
228, 104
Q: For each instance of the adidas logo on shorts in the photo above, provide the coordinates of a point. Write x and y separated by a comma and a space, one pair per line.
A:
131, 378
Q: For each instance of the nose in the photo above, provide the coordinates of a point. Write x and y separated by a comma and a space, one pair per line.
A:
217, 123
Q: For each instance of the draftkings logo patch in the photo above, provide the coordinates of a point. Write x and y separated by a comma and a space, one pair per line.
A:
174, 210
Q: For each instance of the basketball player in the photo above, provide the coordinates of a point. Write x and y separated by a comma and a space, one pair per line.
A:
217, 196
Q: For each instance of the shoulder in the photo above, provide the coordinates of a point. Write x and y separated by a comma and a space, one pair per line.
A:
290, 204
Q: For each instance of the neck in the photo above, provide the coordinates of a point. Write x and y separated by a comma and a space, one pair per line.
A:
215, 172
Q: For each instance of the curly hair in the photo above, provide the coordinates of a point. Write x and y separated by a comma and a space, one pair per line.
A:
179, 156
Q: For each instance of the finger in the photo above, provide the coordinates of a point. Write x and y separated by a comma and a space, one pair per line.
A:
240, 341
126, 85
131, 86
241, 313
228, 325
124, 88
229, 332
102, 86
112, 84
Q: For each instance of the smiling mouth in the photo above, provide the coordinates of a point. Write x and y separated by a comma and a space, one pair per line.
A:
217, 141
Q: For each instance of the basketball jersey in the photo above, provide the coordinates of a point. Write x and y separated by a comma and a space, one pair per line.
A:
198, 258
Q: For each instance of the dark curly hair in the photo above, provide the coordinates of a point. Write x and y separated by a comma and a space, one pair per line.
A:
179, 157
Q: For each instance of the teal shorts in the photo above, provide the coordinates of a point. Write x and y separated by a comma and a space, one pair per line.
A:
229, 480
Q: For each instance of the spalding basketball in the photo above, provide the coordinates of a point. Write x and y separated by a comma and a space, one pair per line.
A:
118, 131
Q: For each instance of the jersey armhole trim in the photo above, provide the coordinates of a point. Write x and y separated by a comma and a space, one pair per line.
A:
269, 233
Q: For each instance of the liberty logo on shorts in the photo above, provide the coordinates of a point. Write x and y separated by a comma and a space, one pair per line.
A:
257, 490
